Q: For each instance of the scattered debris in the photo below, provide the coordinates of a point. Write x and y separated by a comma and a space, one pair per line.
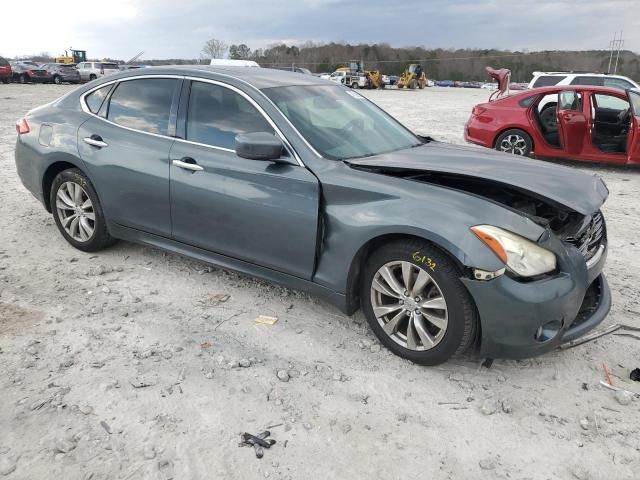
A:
214, 299
244, 363
616, 389
597, 334
607, 374
141, 382
283, 375
258, 442
635, 375
489, 407
487, 464
624, 397
105, 426
266, 320
149, 452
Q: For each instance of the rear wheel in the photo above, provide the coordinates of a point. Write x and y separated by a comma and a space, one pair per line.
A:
517, 142
5, 80
78, 213
413, 83
92, 77
22, 78
415, 302
57, 80
354, 85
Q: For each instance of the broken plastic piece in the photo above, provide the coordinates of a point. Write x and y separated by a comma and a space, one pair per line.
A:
266, 320
258, 442
635, 375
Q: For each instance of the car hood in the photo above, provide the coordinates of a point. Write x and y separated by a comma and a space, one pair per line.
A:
569, 187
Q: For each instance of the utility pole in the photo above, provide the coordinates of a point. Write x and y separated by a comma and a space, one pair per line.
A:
620, 45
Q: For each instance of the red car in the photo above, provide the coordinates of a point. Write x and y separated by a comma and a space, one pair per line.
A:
578, 122
5, 71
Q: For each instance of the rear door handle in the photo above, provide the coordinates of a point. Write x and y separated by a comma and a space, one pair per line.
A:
187, 163
96, 141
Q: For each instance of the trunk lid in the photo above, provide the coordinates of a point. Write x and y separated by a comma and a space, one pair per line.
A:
581, 192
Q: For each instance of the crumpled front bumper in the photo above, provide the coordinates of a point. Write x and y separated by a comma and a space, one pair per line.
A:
526, 319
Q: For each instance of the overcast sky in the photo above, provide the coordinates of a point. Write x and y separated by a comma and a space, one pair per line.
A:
178, 29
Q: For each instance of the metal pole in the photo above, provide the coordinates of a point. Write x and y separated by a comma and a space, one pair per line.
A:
611, 52
620, 44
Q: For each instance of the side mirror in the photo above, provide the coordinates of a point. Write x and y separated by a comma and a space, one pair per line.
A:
259, 146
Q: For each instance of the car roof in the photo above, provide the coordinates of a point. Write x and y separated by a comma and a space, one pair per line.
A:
579, 74
557, 88
258, 77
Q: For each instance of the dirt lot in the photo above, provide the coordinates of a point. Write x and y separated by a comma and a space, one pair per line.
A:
130, 364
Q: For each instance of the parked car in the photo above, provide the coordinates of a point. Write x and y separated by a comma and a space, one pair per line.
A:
445, 83
340, 76
29, 72
393, 79
550, 79
5, 70
93, 70
61, 73
300, 181
596, 124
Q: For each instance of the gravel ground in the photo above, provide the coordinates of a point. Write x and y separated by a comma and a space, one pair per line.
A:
135, 363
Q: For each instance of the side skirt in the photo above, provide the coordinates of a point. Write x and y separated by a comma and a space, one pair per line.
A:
336, 299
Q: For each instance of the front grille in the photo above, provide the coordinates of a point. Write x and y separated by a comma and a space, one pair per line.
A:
589, 239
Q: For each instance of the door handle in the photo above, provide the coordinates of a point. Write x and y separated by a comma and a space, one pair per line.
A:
96, 141
187, 163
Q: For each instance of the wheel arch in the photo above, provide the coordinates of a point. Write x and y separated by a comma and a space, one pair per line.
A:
359, 259
47, 179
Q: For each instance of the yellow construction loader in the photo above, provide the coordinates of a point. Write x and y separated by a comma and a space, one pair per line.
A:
413, 77
76, 56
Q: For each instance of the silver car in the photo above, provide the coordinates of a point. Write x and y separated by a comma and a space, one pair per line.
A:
92, 70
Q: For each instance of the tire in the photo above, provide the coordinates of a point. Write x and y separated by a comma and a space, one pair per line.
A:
63, 191
451, 305
413, 83
22, 78
515, 141
92, 77
57, 80
354, 85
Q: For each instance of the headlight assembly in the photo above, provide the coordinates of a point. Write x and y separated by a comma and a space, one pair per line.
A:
523, 257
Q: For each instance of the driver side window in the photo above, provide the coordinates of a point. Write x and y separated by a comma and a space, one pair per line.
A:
217, 114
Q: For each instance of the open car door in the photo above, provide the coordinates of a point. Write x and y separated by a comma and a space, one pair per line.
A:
633, 137
572, 122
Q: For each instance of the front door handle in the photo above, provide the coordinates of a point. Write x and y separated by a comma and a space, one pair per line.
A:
96, 141
188, 163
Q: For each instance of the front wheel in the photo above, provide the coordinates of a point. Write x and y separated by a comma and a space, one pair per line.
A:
415, 303
517, 142
78, 213
57, 80
22, 78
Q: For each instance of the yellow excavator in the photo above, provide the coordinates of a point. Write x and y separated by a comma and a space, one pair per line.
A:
413, 77
76, 56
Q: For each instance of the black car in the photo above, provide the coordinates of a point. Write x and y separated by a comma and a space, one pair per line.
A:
61, 72
27, 71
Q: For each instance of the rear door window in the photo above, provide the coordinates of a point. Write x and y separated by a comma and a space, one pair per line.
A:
217, 114
570, 100
143, 104
548, 80
587, 80
94, 99
618, 83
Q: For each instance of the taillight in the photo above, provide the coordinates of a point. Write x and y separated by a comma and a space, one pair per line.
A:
22, 126
478, 110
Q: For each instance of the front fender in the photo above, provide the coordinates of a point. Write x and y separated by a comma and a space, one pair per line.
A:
360, 207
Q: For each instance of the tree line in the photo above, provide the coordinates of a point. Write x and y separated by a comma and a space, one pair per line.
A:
442, 64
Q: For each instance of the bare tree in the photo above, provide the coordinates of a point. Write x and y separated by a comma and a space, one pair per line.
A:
238, 52
214, 48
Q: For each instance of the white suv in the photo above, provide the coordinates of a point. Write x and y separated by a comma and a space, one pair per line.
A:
92, 70
549, 79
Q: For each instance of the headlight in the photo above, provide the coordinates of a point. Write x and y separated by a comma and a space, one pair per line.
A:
521, 256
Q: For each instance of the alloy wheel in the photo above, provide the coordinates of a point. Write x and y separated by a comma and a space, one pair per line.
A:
514, 143
409, 305
75, 211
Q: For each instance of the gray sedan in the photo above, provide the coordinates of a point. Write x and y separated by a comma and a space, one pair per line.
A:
303, 182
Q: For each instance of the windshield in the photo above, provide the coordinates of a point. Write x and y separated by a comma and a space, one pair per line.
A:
339, 123
109, 66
